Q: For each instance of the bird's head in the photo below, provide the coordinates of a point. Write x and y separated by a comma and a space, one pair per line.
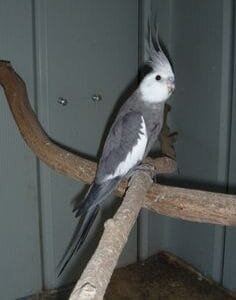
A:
159, 84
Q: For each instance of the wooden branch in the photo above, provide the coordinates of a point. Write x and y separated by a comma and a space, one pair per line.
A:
57, 158
192, 205
166, 137
96, 276
54, 156
199, 206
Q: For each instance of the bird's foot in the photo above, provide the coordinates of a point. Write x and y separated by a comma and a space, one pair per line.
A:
145, 167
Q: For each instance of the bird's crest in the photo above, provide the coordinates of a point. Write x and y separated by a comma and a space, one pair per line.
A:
157, 59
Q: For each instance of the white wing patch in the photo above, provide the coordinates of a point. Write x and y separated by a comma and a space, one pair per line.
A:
134, 156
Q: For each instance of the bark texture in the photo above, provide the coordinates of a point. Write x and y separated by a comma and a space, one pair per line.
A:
96, 276
192, 205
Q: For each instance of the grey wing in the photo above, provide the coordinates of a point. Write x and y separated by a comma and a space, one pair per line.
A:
154, 126
127, 134
153, 137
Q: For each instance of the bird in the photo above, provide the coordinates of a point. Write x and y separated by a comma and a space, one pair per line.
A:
132, 135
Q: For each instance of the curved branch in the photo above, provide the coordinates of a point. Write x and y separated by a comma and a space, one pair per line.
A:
199, 206
44, 148
36, 138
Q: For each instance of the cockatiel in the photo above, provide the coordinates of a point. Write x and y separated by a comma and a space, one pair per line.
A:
130, 138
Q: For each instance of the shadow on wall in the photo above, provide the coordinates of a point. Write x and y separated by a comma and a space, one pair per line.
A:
193, 183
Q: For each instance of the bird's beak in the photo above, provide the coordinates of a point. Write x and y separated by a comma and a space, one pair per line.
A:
171, 87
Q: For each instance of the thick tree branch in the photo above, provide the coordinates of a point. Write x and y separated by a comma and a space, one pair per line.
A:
45, 149
192, 205
186, 204
54, 156
96, 276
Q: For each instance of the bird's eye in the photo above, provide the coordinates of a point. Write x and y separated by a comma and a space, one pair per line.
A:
158, 77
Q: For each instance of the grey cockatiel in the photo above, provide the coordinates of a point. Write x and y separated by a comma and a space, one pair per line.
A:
130, 138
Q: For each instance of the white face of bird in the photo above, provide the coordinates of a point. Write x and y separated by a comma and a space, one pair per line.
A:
158, 85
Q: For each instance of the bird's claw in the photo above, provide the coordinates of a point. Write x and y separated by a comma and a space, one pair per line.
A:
145, 167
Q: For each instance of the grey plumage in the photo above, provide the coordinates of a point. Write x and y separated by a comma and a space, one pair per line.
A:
129, 140
121, 139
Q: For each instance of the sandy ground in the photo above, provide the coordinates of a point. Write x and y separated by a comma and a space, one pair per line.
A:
160, 279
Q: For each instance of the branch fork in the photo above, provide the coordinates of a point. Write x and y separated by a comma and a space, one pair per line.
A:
186, 204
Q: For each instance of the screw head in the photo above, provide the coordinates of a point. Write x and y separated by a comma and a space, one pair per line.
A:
62, 101
96, 97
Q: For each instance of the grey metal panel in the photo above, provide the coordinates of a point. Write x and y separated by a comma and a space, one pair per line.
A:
19, 220
83, 48
229, 271
200, 48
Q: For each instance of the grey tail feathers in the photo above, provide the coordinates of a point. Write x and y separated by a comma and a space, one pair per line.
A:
78, 237
95, 195
88, 211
